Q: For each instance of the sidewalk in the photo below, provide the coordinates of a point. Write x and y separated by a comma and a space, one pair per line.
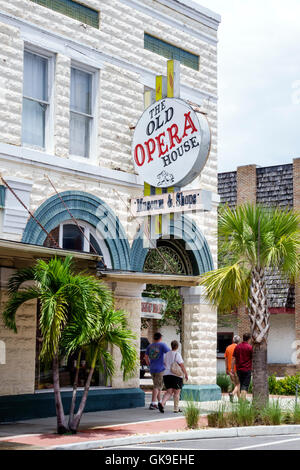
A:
100, 426
106, 425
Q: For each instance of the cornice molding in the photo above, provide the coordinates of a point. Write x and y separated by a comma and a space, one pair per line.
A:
52, 162
195, 11
174, 23
77, 51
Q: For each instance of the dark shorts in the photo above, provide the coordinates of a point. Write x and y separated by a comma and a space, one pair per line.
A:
245, 379
172, 381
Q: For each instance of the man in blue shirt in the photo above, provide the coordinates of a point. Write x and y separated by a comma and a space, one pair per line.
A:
155, 358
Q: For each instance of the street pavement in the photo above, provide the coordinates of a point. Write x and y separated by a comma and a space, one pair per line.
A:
109, 426
238, 443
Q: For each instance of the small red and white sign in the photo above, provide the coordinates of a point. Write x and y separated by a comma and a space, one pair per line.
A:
152, 308
171, 143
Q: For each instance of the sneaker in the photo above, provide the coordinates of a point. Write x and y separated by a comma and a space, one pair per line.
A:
161, 408
177, 411
153, 407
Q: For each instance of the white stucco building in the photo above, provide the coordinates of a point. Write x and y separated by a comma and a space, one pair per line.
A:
72, 83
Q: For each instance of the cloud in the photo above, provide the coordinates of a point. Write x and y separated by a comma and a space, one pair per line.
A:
259, 81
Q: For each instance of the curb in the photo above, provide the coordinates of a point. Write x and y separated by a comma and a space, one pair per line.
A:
182, 436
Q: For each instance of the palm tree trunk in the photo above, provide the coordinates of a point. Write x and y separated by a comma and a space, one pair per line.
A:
260, 375
75, 384
61, 420
76, 420
260, 325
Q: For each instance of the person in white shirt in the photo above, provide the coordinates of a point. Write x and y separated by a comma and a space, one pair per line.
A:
173, 382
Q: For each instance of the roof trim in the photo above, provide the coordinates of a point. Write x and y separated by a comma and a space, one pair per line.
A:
23, 250
195, 11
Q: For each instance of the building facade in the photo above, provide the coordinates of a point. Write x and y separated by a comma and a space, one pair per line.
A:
72, 82
269, 186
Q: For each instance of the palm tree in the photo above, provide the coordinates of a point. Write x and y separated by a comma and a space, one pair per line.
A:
252, 242
76, 314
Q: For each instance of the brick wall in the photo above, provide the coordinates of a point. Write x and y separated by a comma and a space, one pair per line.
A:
246, 184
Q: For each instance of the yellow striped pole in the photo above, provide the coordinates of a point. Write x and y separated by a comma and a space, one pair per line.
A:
160, 93
168, 86
148, 100
173, 91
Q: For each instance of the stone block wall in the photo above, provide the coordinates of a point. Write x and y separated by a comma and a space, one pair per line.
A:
123, 69
17, 375
199, 338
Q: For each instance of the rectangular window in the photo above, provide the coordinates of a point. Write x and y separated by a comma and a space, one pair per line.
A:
81, 117
171, 52
73, 10
224, 340
35, 99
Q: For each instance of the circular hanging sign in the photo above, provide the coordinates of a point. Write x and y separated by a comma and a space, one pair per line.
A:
171, 143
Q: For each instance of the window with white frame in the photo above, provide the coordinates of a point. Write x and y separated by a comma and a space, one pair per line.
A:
82, 237
36, 99
81, 112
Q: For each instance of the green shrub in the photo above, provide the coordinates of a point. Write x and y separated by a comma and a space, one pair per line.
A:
244, 414
287, 417
272, 384
219, 418
224, 382
192, 414
296, 414
287, 386
272, 414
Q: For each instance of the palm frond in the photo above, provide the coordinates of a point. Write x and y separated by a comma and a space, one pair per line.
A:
16, 299
21, 276
54, 309
227, 287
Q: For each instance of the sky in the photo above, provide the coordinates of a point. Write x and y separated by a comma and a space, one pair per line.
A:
259, 81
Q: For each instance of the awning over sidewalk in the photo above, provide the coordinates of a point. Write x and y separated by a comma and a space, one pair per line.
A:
176, 280
17, 255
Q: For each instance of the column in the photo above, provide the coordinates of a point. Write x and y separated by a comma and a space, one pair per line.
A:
246, 184
199, 346
246, 192
17, 366
127, 297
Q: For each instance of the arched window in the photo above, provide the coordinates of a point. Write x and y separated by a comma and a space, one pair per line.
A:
70, 237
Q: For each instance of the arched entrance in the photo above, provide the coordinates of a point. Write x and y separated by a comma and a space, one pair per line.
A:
185, 240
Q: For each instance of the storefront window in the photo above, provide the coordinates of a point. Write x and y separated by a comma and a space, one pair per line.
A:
224, 340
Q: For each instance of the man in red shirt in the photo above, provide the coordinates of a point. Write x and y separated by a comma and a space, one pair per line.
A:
242, 359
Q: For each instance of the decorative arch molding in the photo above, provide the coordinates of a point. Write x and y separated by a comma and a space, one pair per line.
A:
88, 208
184, 229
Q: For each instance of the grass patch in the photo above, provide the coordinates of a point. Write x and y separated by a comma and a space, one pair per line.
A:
192, 414
244, 413
224, 382
272, 414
